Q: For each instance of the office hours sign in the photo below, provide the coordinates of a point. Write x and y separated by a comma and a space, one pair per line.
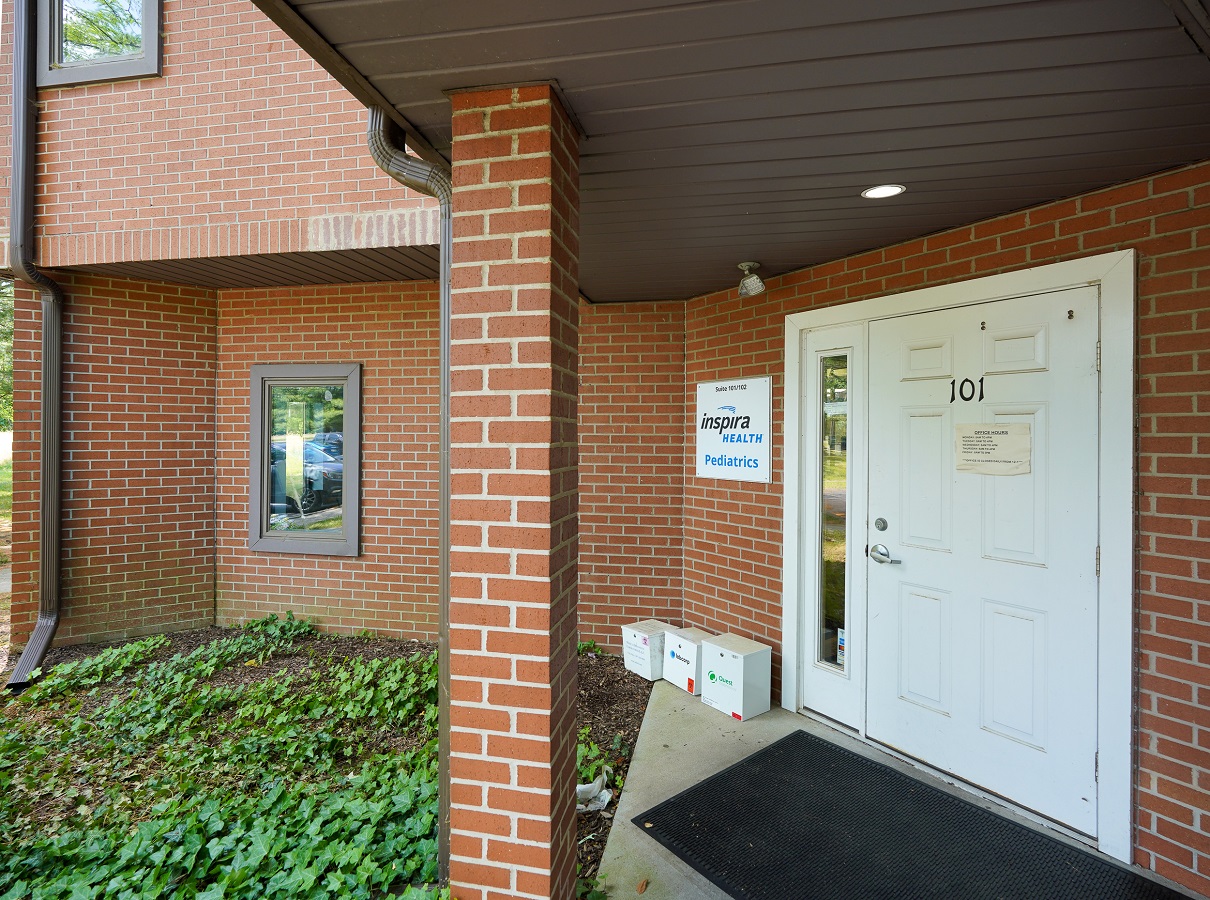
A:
735, 429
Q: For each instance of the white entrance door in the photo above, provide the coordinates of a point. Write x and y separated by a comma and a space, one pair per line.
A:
982, 611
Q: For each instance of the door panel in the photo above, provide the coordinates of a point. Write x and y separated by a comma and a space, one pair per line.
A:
925, 483
1015, 508
1014, 676
924, 635
981, 639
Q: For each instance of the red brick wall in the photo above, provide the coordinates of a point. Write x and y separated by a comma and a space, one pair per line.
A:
6, 109
632, 443
391, 329
242, 146
138, 472
513, 531
732, 578
27, 460
632, 370
733, 529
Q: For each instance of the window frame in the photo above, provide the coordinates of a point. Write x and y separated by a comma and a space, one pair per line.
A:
260, 539
52, 72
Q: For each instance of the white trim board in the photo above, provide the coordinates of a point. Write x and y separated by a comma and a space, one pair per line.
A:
1114, 273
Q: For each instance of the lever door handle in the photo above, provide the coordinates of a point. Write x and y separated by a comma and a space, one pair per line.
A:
880, 554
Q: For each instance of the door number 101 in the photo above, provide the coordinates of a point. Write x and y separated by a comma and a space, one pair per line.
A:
965, 390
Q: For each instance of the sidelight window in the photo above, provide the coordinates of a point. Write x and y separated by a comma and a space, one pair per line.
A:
834, 491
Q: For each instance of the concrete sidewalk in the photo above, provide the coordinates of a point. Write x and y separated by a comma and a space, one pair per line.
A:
682, 742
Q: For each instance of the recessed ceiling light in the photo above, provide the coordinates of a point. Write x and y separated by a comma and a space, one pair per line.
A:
883, 190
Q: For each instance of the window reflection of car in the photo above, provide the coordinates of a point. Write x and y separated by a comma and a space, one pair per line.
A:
323, 480
330, 442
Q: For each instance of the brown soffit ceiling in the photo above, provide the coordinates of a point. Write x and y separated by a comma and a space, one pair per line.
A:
717, 131
284, 269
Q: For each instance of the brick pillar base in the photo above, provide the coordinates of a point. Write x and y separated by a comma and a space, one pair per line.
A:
513, 505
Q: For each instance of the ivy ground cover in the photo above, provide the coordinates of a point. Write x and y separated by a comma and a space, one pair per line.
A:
265, 763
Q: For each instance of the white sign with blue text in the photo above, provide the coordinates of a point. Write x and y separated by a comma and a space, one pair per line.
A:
735, 429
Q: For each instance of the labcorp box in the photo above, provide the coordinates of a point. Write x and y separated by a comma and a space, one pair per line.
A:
682, 658
643, 648
736, 675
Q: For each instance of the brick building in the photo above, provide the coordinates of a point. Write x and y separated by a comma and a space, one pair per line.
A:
222, 212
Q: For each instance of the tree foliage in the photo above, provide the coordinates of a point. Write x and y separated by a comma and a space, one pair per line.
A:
97, 29
307, 409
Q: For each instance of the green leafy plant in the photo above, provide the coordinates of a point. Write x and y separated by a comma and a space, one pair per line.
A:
590, 888
591, 758
178, 780
585, 648
619, 753
93, 670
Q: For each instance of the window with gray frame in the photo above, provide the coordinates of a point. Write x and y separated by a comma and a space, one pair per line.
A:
81, 41
305, 459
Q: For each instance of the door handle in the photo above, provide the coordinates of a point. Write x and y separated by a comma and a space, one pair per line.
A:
880, 554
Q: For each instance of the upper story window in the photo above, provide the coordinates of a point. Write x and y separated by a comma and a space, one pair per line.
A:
97, 40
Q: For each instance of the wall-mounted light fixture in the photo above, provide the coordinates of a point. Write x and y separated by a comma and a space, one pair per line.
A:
750, 284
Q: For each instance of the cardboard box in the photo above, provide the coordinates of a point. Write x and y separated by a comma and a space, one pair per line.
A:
682, 658
736, 675
643, 648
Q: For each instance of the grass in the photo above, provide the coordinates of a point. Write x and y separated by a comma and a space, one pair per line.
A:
6, 511
130, 775
835, 469
6, 489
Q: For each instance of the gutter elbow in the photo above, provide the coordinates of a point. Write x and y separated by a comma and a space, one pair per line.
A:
409, 171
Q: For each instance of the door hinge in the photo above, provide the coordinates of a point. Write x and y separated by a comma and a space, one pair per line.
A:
1098, 356
1098, 561
1096, 766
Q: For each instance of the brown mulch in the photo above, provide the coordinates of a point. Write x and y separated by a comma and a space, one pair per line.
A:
612, 700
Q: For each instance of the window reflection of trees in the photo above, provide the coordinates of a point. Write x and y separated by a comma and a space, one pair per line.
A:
834, 374
101, 29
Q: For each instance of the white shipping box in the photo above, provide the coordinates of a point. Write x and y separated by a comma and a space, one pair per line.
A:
643, 648
682, 658
736, 675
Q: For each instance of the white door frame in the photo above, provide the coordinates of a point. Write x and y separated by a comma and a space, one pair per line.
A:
1114, 273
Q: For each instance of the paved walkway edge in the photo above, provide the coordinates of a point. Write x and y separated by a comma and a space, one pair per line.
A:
682, 741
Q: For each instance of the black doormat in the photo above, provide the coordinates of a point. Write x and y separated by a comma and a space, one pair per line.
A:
803, 818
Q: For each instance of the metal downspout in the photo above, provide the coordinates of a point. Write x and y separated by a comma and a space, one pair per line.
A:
21, 239
435, 181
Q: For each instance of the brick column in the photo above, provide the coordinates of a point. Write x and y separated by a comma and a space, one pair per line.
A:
513, 505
